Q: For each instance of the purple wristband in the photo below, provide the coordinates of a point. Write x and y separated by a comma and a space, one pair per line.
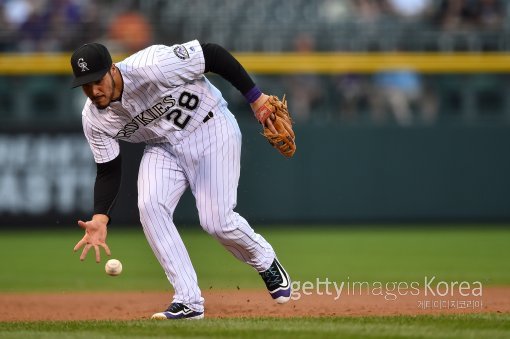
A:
253, 94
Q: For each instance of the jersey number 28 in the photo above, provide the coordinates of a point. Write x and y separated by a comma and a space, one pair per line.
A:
188, 101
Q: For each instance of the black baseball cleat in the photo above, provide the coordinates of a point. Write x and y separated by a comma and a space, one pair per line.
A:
277, 282
178, 311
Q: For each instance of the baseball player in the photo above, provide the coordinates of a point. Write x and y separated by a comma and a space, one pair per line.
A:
161, 97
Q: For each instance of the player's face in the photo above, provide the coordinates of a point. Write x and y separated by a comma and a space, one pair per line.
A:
100, 92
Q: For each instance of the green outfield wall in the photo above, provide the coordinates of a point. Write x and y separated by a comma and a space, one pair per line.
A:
339, 174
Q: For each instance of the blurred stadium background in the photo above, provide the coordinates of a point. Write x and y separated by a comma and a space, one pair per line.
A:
401, 106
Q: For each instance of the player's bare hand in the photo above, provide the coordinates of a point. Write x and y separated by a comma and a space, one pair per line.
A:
95, 236
263, 113
261, 100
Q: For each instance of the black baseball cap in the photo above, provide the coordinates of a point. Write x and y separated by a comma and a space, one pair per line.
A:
90, 63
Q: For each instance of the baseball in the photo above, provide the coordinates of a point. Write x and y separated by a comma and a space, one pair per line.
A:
113, 267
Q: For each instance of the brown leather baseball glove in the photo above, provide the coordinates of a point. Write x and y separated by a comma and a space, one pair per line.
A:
284, 140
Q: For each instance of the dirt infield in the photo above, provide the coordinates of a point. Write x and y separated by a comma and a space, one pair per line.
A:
241, 303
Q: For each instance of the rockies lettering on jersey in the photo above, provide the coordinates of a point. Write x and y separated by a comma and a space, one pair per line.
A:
146, 117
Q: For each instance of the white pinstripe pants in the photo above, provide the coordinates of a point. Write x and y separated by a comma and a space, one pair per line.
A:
208, 161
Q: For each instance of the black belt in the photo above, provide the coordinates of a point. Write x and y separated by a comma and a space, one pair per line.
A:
208, 116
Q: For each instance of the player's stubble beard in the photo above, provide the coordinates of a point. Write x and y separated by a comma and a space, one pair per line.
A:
111, 95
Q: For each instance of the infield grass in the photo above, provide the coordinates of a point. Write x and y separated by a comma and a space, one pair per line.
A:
37, 261
44, 261
448, 326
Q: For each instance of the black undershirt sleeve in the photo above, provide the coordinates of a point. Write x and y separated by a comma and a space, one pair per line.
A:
107, 185
218, 60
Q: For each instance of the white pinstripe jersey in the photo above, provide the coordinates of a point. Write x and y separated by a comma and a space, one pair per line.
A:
166, 96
